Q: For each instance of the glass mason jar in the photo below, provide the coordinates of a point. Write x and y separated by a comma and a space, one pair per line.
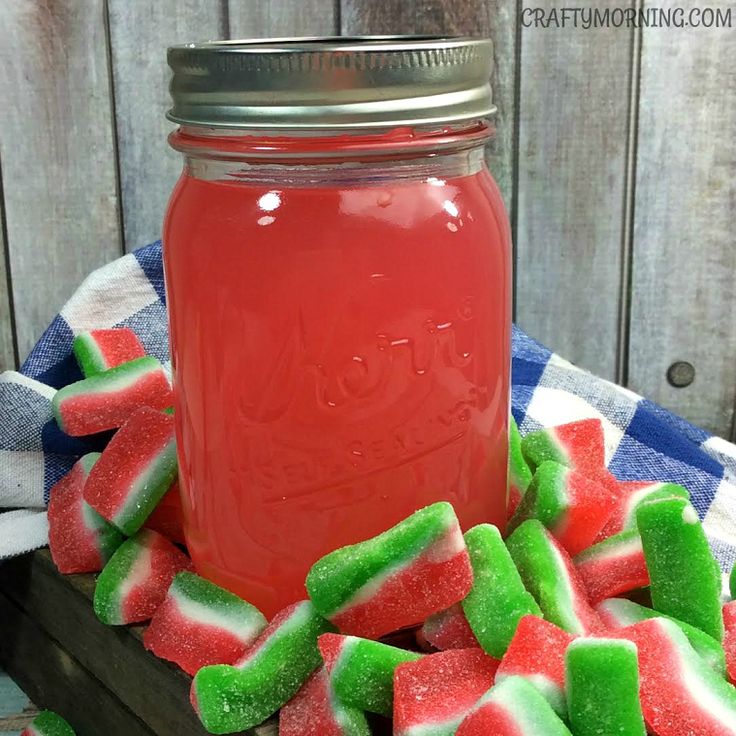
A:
337, 262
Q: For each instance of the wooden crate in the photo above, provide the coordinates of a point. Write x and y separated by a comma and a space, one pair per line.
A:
100, 678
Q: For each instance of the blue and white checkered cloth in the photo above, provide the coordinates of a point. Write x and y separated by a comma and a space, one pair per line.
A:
643, 441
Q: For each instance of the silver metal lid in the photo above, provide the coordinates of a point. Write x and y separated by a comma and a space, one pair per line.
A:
331, 83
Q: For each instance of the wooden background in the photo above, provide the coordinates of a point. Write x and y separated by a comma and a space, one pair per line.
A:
616, 155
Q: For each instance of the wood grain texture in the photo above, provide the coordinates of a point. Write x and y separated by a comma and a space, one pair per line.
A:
259, 18
56, 147
573, 125
8, 358
140, 33
55, 680
155, 690
494, 18
683, 301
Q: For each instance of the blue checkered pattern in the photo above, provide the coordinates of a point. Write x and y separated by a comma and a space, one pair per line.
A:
643, 441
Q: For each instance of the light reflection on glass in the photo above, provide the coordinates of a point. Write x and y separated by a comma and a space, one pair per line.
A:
269, 201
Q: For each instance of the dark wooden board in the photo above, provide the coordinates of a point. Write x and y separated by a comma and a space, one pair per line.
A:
112, 657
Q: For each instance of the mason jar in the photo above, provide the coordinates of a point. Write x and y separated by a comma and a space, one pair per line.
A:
338, 275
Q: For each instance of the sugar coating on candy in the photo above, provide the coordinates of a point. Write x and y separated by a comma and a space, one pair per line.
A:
167, 517
614, 566
315, 711
579, 445
100, 350
448, 629
574, 508
133, 584
619, 613
520, 475
732, 582
106, 400
200, 623
602, 686
362, 670
680, 694
396, 579
135, 470
729, 640
48, 723
80, 540
537, 653
512, 707
549, 575
234, 698
498, 598
632, 494
685, 577
433, 695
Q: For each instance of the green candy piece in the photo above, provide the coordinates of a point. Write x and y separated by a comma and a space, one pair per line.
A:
520, 474
685, 577
733, 582
48, 723
621, 612
498, 599
234, 698
550, 576
362, 670
602, 686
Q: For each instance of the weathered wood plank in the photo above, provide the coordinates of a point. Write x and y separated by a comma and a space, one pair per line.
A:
56, 681
684, 258
8, 358
494, 18
156, 690
257, 18
140, 33
57, 154
573, 125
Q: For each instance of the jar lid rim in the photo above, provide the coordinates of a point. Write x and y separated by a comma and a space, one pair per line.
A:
331, 82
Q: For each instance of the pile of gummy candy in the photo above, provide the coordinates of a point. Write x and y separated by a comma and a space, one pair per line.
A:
544, 632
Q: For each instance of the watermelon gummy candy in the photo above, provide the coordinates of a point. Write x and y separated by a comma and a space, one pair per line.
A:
133, 584
433, 695
397, 579
97, 351
619, 613
234, 698
615, 565
47, 723
135, 470
602, 677
537, 653
732, 582
550, 576
520, 476
685, 577
680, 694
632, 494
315, 711
448, 629
498, 598
512, 708
362, 671
79, 538
199, 623
579, 445
573, 507
166, 518
729, 640
106, 400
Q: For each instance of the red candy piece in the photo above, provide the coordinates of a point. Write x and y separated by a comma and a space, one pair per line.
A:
438, 690
537, 653
729, 641
167, 518
448, 629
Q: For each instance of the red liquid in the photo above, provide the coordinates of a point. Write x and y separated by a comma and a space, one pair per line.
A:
341, 359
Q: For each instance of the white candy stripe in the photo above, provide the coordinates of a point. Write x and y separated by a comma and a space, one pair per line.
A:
346, 647
629, 548
633, 501
234, 622
125, 379
138, 573
90, 344
565, 594
547, 687
437, 728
